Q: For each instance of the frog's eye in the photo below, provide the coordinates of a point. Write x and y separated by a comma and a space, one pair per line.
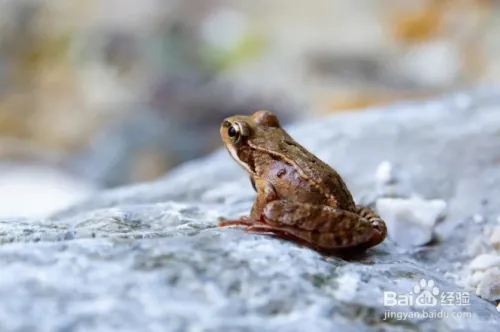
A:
234, 133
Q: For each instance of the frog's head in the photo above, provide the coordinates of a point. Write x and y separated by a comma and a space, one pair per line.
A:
241, 133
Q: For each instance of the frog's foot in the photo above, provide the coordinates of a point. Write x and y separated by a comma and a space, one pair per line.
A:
243, 221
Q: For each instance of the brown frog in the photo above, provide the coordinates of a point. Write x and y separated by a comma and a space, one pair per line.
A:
299, 197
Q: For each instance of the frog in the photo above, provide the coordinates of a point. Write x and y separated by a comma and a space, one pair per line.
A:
299, 197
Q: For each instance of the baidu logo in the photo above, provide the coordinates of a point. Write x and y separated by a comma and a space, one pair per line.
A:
426, 294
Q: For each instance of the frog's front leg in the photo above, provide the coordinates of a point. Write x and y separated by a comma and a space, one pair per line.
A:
320, 226
265, 194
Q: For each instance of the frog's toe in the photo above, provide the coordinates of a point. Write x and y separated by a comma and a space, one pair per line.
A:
243, 221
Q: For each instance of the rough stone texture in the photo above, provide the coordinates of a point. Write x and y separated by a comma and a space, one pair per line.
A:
150, 257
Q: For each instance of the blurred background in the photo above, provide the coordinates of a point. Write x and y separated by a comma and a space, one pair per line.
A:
97, 94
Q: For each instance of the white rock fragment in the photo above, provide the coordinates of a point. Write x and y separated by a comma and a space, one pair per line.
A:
489, 287
484, 262
384, 174
411, 221
477, 218
498, 219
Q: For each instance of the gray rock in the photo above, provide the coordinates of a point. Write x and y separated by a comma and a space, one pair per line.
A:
149, 257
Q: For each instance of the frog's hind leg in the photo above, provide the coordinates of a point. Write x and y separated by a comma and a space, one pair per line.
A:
319, 225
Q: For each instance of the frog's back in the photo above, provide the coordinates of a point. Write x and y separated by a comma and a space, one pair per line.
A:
324, 176
321, 176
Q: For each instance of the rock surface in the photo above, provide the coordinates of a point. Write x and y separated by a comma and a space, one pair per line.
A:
150, 257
